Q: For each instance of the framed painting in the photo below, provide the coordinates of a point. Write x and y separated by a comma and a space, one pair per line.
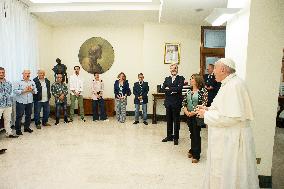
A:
172, 53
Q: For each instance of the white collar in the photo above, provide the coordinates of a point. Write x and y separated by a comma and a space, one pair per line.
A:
228, 78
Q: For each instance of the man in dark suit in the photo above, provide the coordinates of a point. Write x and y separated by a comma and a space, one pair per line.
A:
140, 90
41, 99
172, 87
211, 84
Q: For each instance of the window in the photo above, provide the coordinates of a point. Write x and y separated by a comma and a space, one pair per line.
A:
213, 42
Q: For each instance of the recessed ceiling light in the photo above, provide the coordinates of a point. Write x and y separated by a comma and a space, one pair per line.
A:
91, 1
221, 15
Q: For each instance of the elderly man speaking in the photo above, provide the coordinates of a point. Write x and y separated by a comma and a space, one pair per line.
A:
231, 162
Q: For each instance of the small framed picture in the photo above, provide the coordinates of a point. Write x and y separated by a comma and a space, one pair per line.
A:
172, 53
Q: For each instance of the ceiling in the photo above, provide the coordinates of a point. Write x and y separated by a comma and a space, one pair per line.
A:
90, 14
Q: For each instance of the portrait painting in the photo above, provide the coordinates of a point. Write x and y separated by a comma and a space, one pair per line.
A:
172, 53
96, 55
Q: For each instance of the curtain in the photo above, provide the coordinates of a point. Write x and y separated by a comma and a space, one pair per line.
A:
18, 40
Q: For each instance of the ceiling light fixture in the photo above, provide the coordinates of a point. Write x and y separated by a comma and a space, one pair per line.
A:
221, 15
91, 1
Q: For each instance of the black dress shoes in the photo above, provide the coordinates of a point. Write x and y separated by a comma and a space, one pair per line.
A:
135, 122
167, 139
29, 130
145, 122
175, 141
2, 151
19, 133
13, 136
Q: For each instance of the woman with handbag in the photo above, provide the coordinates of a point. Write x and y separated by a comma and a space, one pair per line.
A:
197, 95
121, 91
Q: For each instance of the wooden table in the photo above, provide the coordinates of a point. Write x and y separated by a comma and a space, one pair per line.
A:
156, 96
88, 106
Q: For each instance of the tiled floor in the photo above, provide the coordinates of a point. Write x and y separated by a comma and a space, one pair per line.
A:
100, 155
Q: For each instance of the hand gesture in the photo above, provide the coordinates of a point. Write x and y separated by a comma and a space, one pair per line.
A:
61, 97
200, 113
188, 113
198, 107
28, 89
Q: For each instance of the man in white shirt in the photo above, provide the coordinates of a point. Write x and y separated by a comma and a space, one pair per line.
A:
76, 88
231, 159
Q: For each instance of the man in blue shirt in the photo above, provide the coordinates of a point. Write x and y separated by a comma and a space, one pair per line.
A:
6, 103
24, 91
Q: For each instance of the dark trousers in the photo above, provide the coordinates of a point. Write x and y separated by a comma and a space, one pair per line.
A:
195, 138
58, 107
211, 96
173, 122
100, 103
22, 109
37, 109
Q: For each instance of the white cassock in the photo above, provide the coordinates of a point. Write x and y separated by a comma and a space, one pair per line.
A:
231, 162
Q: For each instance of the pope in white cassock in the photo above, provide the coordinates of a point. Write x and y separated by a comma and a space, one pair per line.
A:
231, 162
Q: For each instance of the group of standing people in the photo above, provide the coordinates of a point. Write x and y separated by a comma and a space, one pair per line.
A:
230, 154
36, 93
231, 159
175, 101
122, 90
202, 91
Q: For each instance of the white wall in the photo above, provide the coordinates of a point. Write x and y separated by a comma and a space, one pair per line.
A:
264, 60
258, 54
155, 37
45, 47
137, 49
238, 28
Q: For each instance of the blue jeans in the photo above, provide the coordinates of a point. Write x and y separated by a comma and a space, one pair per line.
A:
144, 109
100, 103
20, 110
58, 107
37, 108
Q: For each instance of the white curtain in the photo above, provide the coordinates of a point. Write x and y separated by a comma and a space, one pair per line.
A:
18, 39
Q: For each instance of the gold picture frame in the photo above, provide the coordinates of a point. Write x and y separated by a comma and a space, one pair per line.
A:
172, 53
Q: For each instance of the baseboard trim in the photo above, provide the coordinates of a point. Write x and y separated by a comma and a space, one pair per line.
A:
265, 181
